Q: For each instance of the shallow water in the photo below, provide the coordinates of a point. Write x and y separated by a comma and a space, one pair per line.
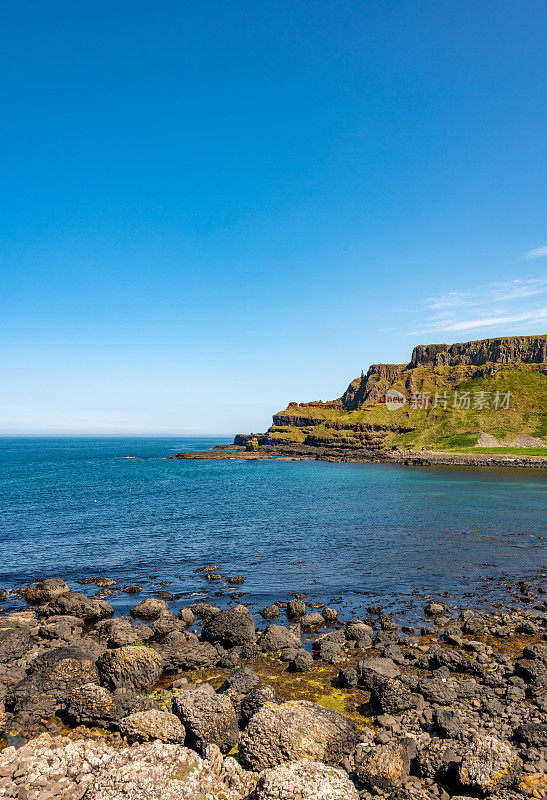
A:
365, 532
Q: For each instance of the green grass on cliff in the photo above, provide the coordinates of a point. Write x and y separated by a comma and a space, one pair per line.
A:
453, 429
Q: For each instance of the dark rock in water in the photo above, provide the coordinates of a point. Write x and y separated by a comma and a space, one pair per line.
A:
240, 682
296, 609
204, 610
294, 730
277, 637
130, 667
434, 609
166, 623
45, 591
151, 608
374, 610
186, 616
180, 653
230, 628
47, 687
384, 768
534, 734
133, 588
372, 672
236, 579
253, 702
80, 605
302, 662
330, 615
271, 612
348, 678
14, 643
312, 620
4, 594
385, 638
208, 719
473, 625
387, 623
92, 704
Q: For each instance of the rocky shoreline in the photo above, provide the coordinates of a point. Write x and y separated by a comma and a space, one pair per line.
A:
423, 458
205, 703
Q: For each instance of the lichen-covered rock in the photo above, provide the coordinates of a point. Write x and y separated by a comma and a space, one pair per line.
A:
150, 608
45, 591
80, 605
48, 685
92, 704
230, 628
295, 730
488, 764
131, 667
533, 784
393, 696
58, 767
385, 767
277, 637
304, 780
146, 726
208, 719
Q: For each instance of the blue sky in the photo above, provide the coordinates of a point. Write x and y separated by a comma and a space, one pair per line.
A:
211, 209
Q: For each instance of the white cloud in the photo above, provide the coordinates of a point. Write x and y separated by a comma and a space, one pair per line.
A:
539, 252
493, 305
484, 322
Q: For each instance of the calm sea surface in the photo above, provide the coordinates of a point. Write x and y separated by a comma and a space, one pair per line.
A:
349, 534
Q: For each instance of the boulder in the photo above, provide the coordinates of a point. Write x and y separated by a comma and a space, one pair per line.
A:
118, 631
277, 637
230, 628
190, 654
534, 734
14, 643
302, 662
151, 608
436, 690
165, 624
80, 605
48, 685
296, 609
488, 764
240, 682
393, 696
271, 612
146, 726
92, 704
330, 615
372, 672
312, 620
130, 667
208, 719
45, 591
295, 730
305, 780
385, 767
255, 700
186, 616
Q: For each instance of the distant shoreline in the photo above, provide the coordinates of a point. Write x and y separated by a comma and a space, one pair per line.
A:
404, 457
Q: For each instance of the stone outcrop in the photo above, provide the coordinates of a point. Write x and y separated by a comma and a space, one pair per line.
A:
503, 351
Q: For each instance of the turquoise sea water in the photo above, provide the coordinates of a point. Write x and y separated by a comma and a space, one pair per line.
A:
362, 532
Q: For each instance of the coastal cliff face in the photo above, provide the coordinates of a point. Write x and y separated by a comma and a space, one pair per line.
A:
359, 424
526, 349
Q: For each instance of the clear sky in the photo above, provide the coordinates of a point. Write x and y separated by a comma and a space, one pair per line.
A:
209, 209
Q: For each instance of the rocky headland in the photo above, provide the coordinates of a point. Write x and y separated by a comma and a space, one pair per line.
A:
294, 702
481, 403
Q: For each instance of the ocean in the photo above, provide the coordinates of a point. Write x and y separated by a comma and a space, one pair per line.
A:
348, 534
